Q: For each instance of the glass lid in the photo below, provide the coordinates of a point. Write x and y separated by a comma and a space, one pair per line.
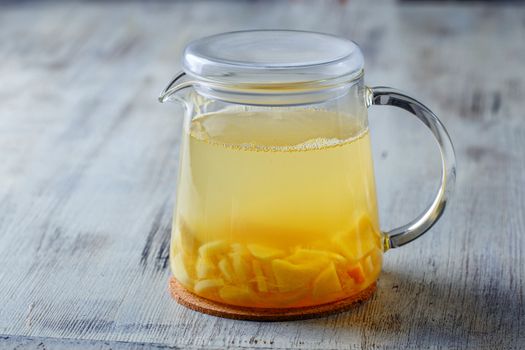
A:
272, 57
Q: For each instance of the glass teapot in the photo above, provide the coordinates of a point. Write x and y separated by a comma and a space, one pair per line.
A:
276, 201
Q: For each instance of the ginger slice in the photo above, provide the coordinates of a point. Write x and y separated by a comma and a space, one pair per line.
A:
241, 268
213, 249
183, 239
264, 253
356, 243
226, 270
302, 255
357, 273
368, 265
327, 283
205, 268
290, 276
237, 295
205, 286
240, 249
179, 270
267, 270
260, 279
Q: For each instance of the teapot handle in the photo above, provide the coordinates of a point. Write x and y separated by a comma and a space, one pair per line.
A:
402, 235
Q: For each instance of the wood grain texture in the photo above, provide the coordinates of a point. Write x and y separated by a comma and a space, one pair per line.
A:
88, 166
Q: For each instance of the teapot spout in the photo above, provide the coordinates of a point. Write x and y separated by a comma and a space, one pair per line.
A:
178, 83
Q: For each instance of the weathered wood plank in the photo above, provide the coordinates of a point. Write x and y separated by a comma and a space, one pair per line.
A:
88, 165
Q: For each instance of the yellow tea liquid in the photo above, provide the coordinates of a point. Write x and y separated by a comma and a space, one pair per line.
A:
276, 209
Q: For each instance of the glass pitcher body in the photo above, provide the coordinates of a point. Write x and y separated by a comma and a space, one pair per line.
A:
276, 206
276, 201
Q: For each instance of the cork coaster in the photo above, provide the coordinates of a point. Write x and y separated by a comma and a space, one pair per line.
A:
194, 302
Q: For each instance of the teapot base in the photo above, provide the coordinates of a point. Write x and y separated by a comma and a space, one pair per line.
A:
200, 304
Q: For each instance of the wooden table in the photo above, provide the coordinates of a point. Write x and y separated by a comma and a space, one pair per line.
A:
89, 157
